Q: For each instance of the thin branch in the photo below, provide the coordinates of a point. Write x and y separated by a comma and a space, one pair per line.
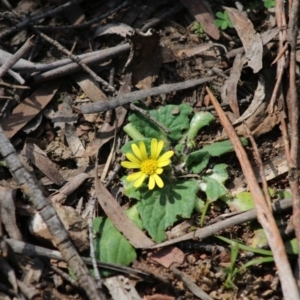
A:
59, 234
104, 105
188, 282
69, 68
13, 59
34, 251
77, 60
16, 76
14, 86
293, 106
260, 166
87, 23
147, 115
264, 214
37, 17
238, 219
91, 237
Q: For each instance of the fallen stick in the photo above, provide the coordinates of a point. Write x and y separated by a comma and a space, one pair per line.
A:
60, 236
104, 105
264, 214
222, 225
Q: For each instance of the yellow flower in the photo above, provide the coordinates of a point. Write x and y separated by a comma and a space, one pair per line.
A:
149, 165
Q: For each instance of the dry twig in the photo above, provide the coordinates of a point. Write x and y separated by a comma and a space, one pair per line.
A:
264, 214
123, 99
293, 106
60, 236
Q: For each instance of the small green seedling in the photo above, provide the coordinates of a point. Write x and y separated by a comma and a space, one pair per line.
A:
269, 3
198, 28
223, 20
232, 270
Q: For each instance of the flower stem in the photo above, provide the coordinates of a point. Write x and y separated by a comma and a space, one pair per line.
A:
133, 132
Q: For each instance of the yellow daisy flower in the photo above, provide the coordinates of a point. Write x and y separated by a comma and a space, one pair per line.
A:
149, 165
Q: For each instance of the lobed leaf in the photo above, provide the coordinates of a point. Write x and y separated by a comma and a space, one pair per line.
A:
160, 208
174, 117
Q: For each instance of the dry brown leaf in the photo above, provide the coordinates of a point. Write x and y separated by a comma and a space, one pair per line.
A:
70, 173
73, 222
39, 158
89, 86
117, 216
106, 133
75, 145
146, 61
258, 98
203, 15
29, 108
114, 28
8, 213
229, 89
75, 182
167, 256
260, 122
189, 51
251, 40
158, 297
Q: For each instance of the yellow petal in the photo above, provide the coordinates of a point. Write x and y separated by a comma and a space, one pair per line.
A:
136, 151
132, 158
151, 183
153, 148
163, 163
130, 165
159, 170
158, 180
143, 150
159, 148
134, 176
164, 160
140, 180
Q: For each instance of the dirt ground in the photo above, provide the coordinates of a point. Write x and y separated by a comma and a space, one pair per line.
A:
69, 73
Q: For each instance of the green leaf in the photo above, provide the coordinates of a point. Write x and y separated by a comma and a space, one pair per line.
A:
291, 247
199, 120
131, 191
174, 117
256, 262
214, 189
220, 15
259, 239
269, 3
197, 161
110, 245
220, 148
283, 194
133, 214
219, 23
241, 202
160, 208
219, 173
244, 247
199, 205
224, 25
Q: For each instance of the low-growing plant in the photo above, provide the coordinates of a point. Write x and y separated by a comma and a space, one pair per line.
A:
154, 161
198, 28
232, 270
269, 3
223, 21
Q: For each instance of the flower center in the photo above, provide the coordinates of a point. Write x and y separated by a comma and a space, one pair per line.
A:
149, 166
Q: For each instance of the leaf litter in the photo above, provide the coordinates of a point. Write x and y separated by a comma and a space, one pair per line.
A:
143, 65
